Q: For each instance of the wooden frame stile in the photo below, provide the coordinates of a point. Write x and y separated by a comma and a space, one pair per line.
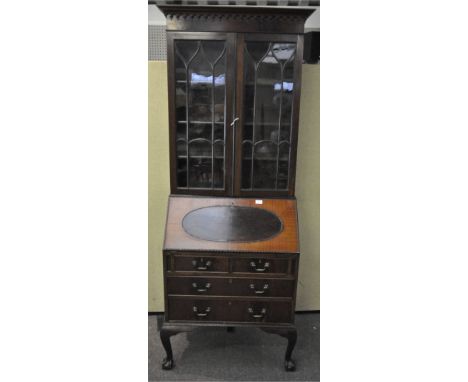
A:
295, 113
296, 261
167, 265
172, 112
231, 92
166, 259
230, 44
239, 114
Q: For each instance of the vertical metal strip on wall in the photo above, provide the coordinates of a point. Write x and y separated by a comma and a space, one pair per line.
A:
157, 45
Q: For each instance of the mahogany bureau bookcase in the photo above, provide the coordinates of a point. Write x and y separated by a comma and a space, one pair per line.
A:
231, 247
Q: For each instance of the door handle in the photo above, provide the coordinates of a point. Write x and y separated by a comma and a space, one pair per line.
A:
234, 121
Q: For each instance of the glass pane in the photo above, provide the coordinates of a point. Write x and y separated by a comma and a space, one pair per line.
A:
267, 98
180, 72
219, 149
246, 164
182, 172
201, 88
186, 49
200, 172
283, 166
264, 171
198, 129
181, 148
200, 148
181, 109
265, 150
200, 71
286, 105
264, 165
181, 130
220, 90
257, 49
218, 173
268, 79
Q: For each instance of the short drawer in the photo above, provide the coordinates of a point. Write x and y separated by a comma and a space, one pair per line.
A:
217, 286
260, 265
262, 287
197, 286
200, 264
187, 309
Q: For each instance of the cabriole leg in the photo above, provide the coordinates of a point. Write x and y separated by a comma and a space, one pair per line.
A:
168, 362
289, 364
166, 333
291, 335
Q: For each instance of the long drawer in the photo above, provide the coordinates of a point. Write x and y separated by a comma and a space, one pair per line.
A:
215, 310
219, 286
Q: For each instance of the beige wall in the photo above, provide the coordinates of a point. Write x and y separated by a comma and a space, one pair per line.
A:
307, 185
308, 190
158, 178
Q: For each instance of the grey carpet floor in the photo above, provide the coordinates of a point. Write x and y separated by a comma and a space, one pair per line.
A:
247, 354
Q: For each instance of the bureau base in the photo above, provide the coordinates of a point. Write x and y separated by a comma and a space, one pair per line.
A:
170, 329
230, 283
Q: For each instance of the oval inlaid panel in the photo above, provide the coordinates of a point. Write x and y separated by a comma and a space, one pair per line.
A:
232, 223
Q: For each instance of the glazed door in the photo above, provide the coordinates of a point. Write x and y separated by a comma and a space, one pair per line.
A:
268, 91
201, 73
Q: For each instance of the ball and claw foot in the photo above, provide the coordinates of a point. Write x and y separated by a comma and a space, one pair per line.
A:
289, 365
167, 364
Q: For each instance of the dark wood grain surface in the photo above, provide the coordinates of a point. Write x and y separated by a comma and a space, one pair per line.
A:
234, 19
246, 273
235, 42
177, 239
212, 309
229, 286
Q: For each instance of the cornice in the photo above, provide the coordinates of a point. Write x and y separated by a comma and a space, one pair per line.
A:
230, 18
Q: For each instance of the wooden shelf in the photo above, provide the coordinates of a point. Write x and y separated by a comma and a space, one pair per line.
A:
267, 159
199, 157
201, 122
267, 124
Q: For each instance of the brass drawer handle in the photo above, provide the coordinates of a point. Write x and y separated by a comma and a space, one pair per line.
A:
201, 265
259, 291
201, 289
201, 314
256, 266
262, 313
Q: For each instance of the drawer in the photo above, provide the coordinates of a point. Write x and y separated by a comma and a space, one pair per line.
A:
184, 309
197, 286
217, 286
260, 265
262, 287
200, 264
260, 311
187, 309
